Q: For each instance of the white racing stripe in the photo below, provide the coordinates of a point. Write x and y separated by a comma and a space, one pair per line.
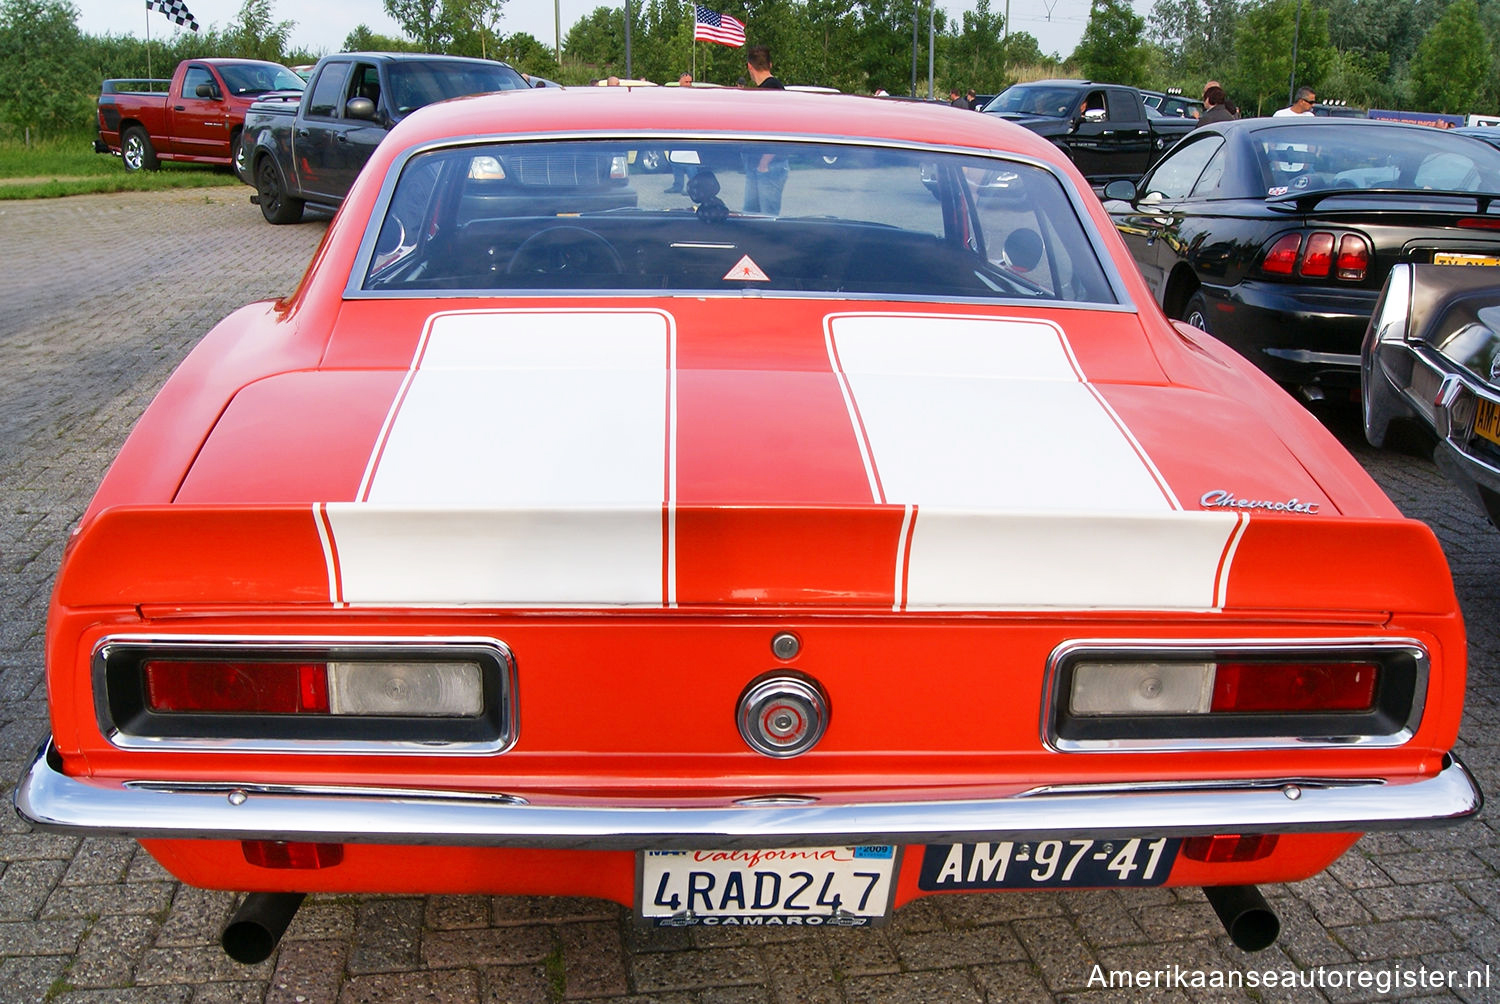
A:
1030, 490
526, 461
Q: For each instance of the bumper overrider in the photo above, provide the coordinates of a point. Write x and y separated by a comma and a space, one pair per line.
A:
51, 800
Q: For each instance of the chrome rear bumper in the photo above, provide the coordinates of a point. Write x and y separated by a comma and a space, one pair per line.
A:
48, 799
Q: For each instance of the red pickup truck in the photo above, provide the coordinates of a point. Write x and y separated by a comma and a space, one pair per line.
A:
197, 116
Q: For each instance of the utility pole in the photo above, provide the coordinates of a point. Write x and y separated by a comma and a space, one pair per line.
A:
931, 13
914, 7
1291, 84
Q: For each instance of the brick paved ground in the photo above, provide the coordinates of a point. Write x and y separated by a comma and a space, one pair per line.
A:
99, 298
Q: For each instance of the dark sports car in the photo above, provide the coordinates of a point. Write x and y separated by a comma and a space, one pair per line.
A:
1432, 358
1275, 234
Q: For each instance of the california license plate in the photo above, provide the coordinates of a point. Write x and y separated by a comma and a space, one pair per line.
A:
1048, 864
1449, 258
1487, 421
801, 887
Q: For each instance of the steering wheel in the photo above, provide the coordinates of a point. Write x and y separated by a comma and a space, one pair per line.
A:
563, 250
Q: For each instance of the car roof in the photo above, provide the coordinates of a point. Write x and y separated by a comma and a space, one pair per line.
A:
833, 117
410, 57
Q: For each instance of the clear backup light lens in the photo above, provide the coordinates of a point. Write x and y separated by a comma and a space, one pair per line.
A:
426, 689
618, 167
486, 169
1137, 688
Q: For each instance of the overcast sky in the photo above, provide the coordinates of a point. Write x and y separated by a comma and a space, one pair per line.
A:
322, 25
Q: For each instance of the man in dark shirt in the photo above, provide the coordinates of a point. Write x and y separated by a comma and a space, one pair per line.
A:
1215, 107
758, 63
765, 173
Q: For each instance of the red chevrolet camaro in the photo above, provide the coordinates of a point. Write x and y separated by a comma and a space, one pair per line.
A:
848, 528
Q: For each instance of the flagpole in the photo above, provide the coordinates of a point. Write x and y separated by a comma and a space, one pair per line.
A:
148, 40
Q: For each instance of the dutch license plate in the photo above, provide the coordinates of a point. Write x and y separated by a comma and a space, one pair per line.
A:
1048, 864
802, 886
1449, 258
1487, 421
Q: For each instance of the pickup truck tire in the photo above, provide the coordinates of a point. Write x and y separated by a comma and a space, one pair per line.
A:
237, 148
136, 150
275, 205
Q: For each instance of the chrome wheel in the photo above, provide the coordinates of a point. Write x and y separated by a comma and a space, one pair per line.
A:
136, 150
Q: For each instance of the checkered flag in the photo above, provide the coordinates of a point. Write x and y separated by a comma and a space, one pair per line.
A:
176, 10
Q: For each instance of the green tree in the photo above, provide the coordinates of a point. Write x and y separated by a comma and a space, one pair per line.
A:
1263, 76
977, 57
45, 84
363, 39
434, 24
527, 54
1452, 62
1196, 37
253, 35
1111, 43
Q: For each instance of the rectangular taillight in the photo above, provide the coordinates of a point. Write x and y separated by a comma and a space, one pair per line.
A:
377, 692
337, 688
1299, 686
1125, 695
1196, 688
245, 687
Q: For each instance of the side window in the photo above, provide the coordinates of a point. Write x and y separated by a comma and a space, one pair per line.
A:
328, 91
364, 82
1123, 107
1175, 177
1208, 181
197, 75
1093, 107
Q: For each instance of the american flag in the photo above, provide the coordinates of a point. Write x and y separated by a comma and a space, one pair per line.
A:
711, 26
176, 10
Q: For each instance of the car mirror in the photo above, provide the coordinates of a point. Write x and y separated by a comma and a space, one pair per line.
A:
683, 157
360, 108
1122, 190
1094, 115
206, 91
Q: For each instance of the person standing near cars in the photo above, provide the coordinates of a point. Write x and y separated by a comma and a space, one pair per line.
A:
1303, 105
765, 174
1215, 107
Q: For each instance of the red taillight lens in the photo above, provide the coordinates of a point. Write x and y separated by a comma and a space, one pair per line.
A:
1282, 258
1322, 255
1354, 257
1248, 687
289, 854
1229, 847
1317, 260
236, 687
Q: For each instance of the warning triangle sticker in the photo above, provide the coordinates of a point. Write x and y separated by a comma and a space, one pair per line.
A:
746, 270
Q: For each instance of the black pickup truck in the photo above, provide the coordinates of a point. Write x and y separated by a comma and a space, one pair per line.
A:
310, 149
1105, 128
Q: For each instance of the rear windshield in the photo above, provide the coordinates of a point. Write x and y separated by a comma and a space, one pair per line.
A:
415, 84
697, 215
1314, 157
